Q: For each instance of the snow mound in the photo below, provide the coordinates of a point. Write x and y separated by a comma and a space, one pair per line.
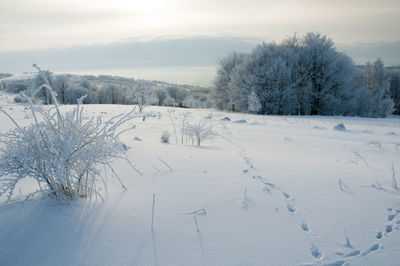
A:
340, 127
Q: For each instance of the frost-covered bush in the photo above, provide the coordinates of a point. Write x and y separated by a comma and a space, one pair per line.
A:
16, 86
63, 152
201, 131
20, 98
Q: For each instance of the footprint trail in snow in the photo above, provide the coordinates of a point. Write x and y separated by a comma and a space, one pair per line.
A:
289, 201
287, 198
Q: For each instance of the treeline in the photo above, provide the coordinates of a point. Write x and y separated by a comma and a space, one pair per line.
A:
305, 76
108, 90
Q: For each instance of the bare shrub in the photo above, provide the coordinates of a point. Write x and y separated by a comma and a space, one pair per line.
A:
61, 151
202, 130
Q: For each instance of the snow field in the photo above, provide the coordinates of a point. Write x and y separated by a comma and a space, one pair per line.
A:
276, 191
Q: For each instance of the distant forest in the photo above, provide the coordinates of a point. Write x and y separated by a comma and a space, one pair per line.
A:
305, 76
107, 90
298, 76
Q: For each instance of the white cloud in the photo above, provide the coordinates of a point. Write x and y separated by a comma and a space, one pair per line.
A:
27, 24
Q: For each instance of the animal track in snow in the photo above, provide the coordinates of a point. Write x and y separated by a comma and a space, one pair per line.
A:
389, 228
263, 180
353, 253
267, 189
371, 249
291, 208
304, 227
379, 235
315, 251
248, 162
339, 253
391, 216
336, 263
289, 200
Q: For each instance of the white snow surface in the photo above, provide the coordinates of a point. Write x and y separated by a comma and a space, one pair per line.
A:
276, 190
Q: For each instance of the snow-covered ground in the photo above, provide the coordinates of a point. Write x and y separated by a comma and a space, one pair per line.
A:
271, 190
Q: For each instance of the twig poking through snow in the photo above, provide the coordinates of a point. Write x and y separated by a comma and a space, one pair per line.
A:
117, 176
348, 245
394, 181
358, 155
197, 225
377, 185
133, 166
152, 212
198, 212
156, 172
343, 186
166, 165
170, 112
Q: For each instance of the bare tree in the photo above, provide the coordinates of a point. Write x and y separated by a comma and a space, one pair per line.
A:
141, 96
160, 95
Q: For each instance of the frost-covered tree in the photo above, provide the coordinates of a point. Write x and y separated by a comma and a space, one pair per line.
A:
190, 102
72, 94
266, 72
225, 70
240, 86
60, 85
377, 82
16, 86
160, 95
109, 95
254, 103
329, 74
395, 89
297, 76
177, 94
361, 99
169, 101
141, 93
39, 80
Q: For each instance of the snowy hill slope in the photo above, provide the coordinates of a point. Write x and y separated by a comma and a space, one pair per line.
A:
269, 191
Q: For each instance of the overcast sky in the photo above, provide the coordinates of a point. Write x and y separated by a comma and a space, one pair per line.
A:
108, 30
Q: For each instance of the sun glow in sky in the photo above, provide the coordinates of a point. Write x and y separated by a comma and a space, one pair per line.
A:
33, 24
364, 29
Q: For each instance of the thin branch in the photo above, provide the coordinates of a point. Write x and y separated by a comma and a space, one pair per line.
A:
166, 165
